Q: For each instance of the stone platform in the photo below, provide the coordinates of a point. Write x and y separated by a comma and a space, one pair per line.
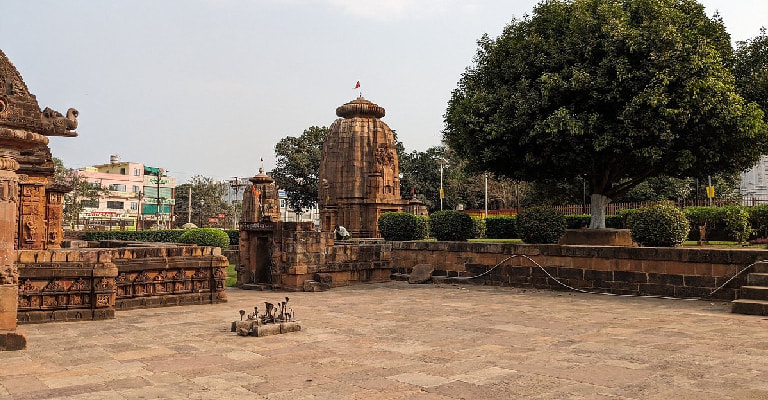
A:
401, 341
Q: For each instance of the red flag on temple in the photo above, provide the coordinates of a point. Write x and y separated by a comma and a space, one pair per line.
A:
357, 85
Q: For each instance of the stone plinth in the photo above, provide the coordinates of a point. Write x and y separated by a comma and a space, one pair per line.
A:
359, 171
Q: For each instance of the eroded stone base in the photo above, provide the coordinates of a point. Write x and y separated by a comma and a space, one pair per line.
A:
252, 328
12, 340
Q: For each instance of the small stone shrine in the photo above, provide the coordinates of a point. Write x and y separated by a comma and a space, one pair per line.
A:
261, 211
30, 207
359, 172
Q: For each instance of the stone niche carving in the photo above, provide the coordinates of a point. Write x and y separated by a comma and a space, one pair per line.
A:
359, 170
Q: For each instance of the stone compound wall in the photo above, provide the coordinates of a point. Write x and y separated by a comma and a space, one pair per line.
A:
90, 284
301, 255
675, 272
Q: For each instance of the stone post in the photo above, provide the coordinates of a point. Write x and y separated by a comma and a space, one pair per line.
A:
10, 339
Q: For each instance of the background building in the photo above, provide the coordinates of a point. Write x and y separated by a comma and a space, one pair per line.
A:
140, 196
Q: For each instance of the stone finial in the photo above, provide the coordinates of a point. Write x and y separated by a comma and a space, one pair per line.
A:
360, 107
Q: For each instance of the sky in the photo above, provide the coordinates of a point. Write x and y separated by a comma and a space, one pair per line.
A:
208, 87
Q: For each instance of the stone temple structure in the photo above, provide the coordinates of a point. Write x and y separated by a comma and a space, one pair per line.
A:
30, 207
359, 172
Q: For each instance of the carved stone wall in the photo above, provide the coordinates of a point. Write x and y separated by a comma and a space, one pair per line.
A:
169, 276
66, 285
359, 170
32, 202
54, 215
90, 284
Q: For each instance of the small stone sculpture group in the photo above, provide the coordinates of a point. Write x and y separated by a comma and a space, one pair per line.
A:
275, 320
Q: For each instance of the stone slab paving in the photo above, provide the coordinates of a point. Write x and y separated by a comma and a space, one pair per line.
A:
400, 341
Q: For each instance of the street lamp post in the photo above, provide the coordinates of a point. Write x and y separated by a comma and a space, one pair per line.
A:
202, 203
442, 194
486, 196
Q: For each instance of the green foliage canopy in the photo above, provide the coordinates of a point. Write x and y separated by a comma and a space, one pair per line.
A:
614, 91
298, 167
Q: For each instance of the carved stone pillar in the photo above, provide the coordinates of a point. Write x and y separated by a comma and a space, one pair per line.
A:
10, 339
54, 215
32, 213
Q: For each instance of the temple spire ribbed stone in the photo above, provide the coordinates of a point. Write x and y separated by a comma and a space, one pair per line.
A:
359, 170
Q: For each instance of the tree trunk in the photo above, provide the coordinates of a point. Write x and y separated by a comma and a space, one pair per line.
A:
598, 206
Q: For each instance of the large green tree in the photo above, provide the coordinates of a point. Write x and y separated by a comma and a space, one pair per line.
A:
298, 167
616, 91
751, 69
208, 201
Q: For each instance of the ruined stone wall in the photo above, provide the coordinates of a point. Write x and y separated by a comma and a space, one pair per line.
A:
65, 285
300, 254
90, 284
677, 272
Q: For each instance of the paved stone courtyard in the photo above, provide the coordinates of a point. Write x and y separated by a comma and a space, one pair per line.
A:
400, 341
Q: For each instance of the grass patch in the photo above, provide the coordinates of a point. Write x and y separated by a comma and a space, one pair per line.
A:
231, 276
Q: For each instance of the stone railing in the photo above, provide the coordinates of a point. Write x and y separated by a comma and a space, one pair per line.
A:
91, 283
675, 272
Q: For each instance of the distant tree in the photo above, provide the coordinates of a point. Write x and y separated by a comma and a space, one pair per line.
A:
208, 201
82, 191
751, 69
615, 91
298, 167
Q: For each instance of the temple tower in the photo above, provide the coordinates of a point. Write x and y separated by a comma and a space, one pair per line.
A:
24, 172
359, 172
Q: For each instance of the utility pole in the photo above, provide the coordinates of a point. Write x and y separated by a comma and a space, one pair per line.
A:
189, 205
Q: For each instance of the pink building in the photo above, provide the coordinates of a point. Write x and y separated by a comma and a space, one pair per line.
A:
140, 196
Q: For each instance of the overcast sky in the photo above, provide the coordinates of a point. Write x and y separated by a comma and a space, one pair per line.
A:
209, 86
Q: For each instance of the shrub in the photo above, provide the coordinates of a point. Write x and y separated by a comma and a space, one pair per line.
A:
615, 222
167, 236
541, 225
737, 223
478, 228
577, 221
451, 225
234, 236
758, 219
712, 217
501, 228
400, 226
659, 226
206, 237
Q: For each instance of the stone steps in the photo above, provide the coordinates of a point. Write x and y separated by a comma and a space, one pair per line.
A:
750, 307
753, 297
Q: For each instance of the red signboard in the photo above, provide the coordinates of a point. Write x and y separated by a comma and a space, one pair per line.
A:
214, 220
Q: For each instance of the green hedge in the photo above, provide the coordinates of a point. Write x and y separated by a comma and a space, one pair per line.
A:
758, 219
541, 225
451, 225
478, 228
167, 236
501, 228
234, 236
205, 237
400, 226
659, 226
